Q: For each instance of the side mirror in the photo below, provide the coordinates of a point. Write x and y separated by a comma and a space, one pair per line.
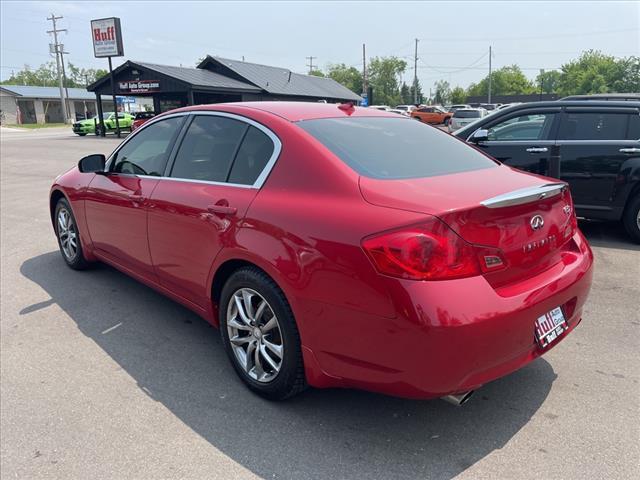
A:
92, 163
480, 135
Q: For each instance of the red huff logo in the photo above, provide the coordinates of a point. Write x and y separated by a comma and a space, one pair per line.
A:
102, 35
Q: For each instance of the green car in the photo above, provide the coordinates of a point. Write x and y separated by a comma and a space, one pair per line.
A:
89, 126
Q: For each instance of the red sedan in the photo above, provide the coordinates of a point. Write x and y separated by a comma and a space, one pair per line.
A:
335, 246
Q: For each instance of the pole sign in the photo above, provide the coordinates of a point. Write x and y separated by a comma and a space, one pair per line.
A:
107, 37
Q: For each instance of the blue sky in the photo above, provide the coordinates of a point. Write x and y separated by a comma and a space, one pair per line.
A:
454, 36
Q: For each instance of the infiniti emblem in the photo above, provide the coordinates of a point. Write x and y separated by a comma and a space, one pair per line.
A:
537, 222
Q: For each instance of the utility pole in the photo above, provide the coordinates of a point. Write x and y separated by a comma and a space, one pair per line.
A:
489, 96
365, 82
310, 64
64, 80
56, 50
415, 75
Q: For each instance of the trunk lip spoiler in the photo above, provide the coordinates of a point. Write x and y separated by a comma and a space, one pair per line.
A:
525, 195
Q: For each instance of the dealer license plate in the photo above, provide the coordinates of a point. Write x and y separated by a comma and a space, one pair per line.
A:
550, 326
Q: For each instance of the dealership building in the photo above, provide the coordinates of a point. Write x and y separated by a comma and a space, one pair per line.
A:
217, 80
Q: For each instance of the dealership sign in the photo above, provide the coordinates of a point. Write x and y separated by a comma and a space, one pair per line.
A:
107, 37
139, 86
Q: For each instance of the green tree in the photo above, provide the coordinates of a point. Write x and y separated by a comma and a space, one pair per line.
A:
81, 77
43, 76
46, 76
443, 92
548, 81
419, 96
458, 95
317, 73
595, 72
508, 80
406, 94
349, 77
384, 77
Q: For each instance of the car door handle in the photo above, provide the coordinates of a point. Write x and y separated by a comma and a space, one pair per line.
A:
222, 209
537, 149
630, 150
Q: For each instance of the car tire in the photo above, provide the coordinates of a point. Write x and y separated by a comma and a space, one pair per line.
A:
68, 236
254, 336
631, 218
81, 134
446, 122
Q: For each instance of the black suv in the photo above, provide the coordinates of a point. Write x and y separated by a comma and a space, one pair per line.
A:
592, 145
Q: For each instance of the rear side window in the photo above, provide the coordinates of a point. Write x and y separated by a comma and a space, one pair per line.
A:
633, 132
252, 157
390, 148
593, 126
466, 114
208, 148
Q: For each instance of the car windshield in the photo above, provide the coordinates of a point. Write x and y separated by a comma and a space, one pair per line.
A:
467, 114
395, 148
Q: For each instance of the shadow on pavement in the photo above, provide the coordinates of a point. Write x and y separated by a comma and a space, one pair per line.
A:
607, 234
177, 358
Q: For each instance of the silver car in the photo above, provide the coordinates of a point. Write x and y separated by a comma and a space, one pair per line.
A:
464, 117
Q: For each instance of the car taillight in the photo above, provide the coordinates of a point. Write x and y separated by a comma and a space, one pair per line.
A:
430, 251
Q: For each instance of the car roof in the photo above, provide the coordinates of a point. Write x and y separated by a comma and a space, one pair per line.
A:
605, 96
580, 103
296, 111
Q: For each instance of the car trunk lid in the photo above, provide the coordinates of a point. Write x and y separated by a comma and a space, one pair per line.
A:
528, 218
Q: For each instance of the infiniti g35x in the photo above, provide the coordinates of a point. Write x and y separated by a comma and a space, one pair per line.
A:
335, 246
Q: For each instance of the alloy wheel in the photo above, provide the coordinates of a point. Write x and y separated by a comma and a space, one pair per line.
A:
255, 335
67, 234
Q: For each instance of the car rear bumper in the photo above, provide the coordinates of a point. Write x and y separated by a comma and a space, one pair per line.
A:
449, 336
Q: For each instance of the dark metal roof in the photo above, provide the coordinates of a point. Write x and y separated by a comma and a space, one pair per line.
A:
199, 77
281, 81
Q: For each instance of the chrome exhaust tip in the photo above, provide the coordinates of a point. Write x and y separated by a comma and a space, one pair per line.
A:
459, 399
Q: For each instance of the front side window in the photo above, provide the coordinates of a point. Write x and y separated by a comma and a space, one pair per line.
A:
593, 126
524, 127
208, 148
395, 148
148, 151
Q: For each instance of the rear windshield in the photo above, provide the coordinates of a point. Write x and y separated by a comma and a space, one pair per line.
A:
467, 114
394, 148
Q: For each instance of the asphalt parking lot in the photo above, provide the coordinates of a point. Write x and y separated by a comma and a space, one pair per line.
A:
101, 377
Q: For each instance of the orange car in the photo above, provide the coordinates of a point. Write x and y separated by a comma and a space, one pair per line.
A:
433, 115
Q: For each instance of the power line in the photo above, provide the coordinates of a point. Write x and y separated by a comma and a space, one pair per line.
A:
532, 37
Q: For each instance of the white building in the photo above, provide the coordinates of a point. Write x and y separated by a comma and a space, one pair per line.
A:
42, 104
